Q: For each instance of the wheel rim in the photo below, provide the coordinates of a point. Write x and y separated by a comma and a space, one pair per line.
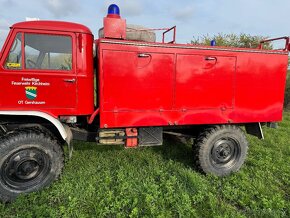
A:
225, 153
25, 169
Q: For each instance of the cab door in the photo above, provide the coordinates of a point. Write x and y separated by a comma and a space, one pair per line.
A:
38, 71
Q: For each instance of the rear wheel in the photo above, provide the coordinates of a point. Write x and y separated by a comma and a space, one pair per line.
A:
221, 150
29, 161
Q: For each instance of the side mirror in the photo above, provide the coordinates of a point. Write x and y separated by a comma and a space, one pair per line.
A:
288, 47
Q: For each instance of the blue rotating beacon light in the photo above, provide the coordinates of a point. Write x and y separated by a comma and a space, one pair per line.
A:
114, 25
113, 11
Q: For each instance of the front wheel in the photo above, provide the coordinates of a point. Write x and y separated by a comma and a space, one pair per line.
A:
29, 161
221, 150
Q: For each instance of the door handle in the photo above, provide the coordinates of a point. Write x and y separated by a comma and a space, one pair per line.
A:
142, 55
210, 59
69, 80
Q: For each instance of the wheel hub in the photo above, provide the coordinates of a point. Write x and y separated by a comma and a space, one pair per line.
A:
24, 168
28, 169
225, 152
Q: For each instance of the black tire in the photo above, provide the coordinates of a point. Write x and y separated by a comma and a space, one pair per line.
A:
221, 150
3, 130
29, 160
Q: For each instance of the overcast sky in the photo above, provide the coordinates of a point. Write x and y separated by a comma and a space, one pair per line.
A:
193, 17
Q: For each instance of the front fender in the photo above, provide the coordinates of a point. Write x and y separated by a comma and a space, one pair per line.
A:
63, 130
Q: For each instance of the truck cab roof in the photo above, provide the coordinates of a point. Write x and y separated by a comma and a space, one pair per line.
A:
53, 25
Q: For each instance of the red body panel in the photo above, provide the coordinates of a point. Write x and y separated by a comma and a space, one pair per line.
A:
150, 84
114, 27
53, 26
207, 82
55, 96
139, 80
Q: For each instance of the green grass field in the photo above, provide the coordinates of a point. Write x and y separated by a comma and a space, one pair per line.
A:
109, 181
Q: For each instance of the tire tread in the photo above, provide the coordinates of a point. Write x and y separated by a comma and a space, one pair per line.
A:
32, 133
201, 146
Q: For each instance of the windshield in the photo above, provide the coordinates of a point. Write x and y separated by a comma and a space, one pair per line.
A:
1, 47
4, 35
13, 61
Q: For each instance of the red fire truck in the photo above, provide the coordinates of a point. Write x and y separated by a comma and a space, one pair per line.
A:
59, 84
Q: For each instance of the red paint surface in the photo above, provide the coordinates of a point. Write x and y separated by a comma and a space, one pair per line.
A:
184, 85
131, 142
60, 97
151, 84
114, 27
53, 26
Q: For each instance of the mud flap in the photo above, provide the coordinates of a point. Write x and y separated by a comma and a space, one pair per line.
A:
152, 136
69, 140
255, 129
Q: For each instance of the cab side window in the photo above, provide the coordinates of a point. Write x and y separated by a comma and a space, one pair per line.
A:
50, 52
13, 61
